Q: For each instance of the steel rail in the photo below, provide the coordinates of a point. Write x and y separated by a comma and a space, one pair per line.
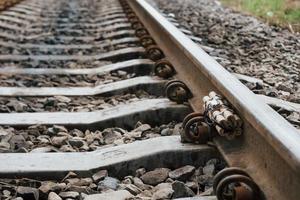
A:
269, 149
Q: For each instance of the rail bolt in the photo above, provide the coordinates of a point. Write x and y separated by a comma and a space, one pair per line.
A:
140, 32
133, 19
136, 24
125, 5
155, 53
164, 69
147, 41
131, 15
127, 10
177, 91
235, 184
195, 129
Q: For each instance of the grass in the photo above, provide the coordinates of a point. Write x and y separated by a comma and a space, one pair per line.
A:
282, 12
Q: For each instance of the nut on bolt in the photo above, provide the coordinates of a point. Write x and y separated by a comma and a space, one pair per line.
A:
140, 32
155, 53
177, 91
136, 24
195, 129
164, 69
234, 183
147, 41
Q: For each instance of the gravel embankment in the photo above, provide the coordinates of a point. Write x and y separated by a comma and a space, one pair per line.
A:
82, 80
160, 183
43, 139
243, 44
68, 104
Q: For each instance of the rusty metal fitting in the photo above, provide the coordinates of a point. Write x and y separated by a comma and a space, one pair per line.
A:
234, 183
195, 129
133, 19
219, 114
125, 6
123, 3
177, 91
164, 69
140, 32
155, 53
136, 24
147, 41
131, 15
127, 10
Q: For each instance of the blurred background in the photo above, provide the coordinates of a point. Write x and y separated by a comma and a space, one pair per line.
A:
283, 12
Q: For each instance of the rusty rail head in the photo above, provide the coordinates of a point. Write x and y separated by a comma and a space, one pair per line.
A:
269, 150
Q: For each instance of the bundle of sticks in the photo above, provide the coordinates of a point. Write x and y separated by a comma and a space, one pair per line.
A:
221, 116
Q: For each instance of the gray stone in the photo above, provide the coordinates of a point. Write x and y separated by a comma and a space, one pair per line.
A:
100, 175
58, 129
166, 132
78, 189
140, 172
44, 139
63, 99
122, 73
76, 142
52, 131
72, 181
181, 190
177, 129
28, 193
6, 193
4, 145
108, 183
77, 133
18, 198
139, 183
208, 192
79, 181
110, 136
163, 191
17, 141
156, 176
132, 189
42, 150
209, 169
135, 134
182, 173
193, 186
18, 106
206, 180
66, 148
54, 196
47, 186
59, 141
115, 195
142, 128
69, 194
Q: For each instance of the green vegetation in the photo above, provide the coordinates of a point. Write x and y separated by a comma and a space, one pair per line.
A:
283, 12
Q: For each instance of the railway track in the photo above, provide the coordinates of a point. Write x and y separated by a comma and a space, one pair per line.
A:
112, 100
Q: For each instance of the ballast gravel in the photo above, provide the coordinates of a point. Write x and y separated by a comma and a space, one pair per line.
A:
44, 139
144, 184
242, 44
245, 45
